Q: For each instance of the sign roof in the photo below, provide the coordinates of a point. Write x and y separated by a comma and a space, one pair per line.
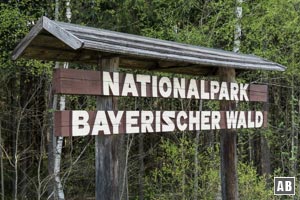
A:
58, 41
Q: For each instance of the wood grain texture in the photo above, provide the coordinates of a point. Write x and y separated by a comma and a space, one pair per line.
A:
228, 146
161, 47
109, 150
63, 122
62, 34
258, 93
25, 42
71, 81
134, 48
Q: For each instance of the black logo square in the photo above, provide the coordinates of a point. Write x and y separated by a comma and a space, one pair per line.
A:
284, 185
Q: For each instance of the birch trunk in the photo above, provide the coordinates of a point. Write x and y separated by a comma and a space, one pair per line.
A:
58, 184
51, 137
59, 188
59, 193
238, 27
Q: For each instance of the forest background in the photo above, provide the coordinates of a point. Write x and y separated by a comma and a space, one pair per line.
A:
179, 165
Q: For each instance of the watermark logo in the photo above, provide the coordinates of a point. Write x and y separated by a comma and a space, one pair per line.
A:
284, 185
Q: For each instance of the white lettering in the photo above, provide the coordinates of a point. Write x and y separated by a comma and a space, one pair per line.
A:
242, 120
181, 115
224, 91
146, 121
169, 126
154, 86
131, 120
288, 186
205, 120
194, 119
204, 95
214, 88
101, 124
179, 88
165, 91
251, 123
115, 120
243, 92
193, 90
143, 79
234, 90
80, 126
129, 86
280, 186
157, 121
231, 118
111, 84
259, 119
215, 120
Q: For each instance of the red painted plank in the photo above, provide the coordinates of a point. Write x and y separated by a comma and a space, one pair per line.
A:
86, 82
63, 122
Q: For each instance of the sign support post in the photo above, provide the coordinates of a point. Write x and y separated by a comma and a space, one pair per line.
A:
108, 149
228, 137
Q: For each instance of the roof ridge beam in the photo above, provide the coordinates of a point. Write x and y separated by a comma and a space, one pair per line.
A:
62, 34
50, 26
27, 39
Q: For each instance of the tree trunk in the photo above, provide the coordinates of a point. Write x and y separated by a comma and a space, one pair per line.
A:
109, 149
142, 167
265, 156
265, 160
229, 180
228, 146
59, 188
250, 147
59, 193
294, 145
51, 147
196, 173
51, 139
238, 27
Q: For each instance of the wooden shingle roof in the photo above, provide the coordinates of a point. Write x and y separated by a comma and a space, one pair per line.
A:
58, 41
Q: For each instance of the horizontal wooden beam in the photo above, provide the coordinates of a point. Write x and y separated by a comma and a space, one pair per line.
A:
77, 82
83, 123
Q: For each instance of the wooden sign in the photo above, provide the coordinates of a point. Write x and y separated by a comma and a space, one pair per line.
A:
71, 81
102, 83
82, 123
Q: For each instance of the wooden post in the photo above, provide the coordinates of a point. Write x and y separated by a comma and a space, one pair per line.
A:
108, 148
228, 146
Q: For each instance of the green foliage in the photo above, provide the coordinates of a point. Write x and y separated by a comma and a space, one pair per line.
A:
174, 176
13, 28
269, 29
206, 23
252, 186
14, 25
